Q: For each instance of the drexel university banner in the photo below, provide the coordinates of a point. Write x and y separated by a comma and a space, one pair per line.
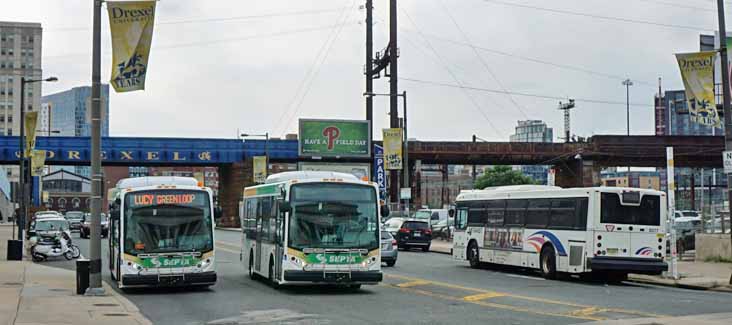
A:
697, 71
131, 23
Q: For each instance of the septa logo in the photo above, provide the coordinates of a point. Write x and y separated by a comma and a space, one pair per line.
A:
609, 227
331, 133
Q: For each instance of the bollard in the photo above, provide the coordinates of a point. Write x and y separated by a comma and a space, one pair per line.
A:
82, 276
15, 250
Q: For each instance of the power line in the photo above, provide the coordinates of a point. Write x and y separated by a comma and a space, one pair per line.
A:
221, 19
677, 5
452, 74
481, 59
587, 100
621, 19
318, 65
531, 59
220, 41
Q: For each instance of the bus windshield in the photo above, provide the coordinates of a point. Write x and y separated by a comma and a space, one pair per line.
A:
160, 221
328, 215
648, 213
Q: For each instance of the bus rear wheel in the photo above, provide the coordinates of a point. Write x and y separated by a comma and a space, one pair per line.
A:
548, 263
474, 255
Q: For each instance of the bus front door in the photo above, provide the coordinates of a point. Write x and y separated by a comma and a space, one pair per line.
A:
460, 238
279, 240
258, 248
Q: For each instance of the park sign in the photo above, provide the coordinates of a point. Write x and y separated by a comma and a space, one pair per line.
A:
334, 138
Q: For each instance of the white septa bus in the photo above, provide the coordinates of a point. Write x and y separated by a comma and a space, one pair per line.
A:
609, 231
312, 227
162, 233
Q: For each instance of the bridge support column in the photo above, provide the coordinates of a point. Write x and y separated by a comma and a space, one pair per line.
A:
232, 180
577, 173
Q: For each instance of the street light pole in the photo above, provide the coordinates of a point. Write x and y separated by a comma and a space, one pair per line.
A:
725, 97
627, 83
266, 146
95, 242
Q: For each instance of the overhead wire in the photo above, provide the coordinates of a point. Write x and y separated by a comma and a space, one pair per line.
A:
452, 74
677, 5
587, 100
481, 59
600, 17
328, 45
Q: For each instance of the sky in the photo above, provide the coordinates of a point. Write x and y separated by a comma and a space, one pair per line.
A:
218, 66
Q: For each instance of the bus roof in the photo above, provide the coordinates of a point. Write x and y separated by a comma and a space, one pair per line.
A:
156, 180
304, 175
543, 191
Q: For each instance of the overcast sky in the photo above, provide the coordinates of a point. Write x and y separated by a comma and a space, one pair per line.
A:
219, 65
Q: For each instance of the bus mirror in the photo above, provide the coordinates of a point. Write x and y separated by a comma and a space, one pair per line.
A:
284, 206
117, 201
451, 212
114, 214
385, 211
217, 212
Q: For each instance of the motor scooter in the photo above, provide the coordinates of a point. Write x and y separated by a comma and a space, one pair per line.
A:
54, 245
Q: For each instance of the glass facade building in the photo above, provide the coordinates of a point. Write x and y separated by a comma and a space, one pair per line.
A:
533, 131
69, 113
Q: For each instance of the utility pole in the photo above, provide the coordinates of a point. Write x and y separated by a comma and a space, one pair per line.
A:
627, 83
566, 107
95, 242
394, 89
474, 169
725, 97
370, 62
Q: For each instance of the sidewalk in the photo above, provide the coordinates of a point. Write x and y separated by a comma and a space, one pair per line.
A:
704, 319
31, 293
441, 246
694, 275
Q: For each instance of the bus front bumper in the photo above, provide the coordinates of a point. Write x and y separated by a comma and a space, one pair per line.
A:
333, 277
628, 264
169, 280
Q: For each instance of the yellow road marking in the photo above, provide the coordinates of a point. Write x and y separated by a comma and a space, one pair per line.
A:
482, 296
412, 284
586, 313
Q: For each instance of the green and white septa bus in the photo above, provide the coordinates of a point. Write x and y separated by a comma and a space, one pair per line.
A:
161, 233
312, 227
608, 231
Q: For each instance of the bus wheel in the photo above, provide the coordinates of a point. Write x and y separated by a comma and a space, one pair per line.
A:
272, 281
474, 255
548, 263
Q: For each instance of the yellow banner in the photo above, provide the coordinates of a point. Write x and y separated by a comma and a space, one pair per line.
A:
31, 119
131, 23
697, 71
260, 169
38, 162
392, 149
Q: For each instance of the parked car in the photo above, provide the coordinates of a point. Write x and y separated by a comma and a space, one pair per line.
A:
686, 229
433, 216
389, 251
393, 224
74, 218
686, 214
47, 214
47, 226
443, 229
85, 231
414, 233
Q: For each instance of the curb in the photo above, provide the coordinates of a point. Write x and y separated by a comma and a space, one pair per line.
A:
440, 252
681, 285
229, 229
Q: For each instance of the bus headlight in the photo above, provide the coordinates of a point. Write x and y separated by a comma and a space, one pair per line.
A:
298, 262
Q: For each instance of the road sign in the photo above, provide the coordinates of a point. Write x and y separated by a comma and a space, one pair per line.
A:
405, 193
379, 172
727, 158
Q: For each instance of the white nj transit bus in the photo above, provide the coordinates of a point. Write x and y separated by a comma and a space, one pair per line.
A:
609, 231
162, 233
312, 227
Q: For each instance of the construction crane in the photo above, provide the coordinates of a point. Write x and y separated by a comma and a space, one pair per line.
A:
566, 107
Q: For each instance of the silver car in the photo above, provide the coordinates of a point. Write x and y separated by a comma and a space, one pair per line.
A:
389, 249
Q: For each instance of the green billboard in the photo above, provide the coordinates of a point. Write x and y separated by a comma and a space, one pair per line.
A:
334, 138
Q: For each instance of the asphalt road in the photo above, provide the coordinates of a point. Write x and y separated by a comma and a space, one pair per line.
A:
425, 288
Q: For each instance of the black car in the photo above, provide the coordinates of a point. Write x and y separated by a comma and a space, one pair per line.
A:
414, 234
85, 231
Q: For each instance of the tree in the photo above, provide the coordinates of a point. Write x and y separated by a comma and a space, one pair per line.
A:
502, 176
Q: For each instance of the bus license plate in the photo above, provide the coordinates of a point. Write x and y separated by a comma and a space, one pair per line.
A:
612, 251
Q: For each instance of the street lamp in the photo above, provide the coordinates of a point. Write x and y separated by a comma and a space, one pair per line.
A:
627, 83
23, 169
406, 139
266, 146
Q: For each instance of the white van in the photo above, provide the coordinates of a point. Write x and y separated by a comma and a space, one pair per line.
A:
432, 216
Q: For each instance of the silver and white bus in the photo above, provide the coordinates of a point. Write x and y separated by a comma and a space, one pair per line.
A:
312, 227
162, 233
605, 230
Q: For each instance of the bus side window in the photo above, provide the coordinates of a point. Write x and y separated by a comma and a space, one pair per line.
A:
461, 219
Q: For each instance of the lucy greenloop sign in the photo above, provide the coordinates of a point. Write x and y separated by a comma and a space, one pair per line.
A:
334, 138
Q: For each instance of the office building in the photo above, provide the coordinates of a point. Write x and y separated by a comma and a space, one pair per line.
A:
20, 56
637, 179
68, 113
533, 131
